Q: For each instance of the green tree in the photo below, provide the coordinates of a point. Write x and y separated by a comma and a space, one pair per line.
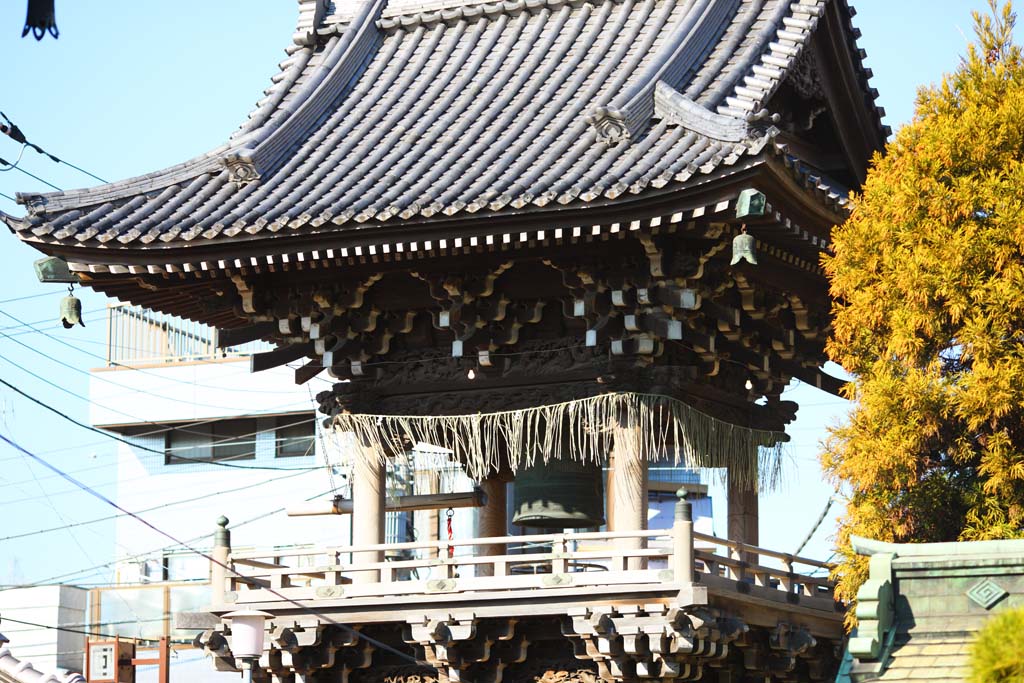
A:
997, 654
927, 279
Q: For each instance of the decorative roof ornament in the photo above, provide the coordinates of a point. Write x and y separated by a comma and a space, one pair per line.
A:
743, 247
241, 167
610, 125
40, 20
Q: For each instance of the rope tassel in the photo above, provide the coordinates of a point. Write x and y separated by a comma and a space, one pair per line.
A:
652, 426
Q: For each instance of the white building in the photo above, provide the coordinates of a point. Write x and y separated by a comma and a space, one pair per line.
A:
28, 614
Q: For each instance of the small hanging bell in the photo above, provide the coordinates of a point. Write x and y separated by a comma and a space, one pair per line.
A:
743, 248
41, 18
71, 310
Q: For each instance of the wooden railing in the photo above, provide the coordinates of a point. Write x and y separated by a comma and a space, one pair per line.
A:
138, 336
520, 562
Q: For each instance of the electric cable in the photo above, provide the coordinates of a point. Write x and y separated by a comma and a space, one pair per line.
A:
15, 167
270, 412
814, 529
63, 578
38, 532
104, 379
7, 196
30, 296
130, 367
115, 437
99, 496
294, 468
11, 130
85, 632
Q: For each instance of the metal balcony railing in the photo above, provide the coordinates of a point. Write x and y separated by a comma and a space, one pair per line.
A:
138, 336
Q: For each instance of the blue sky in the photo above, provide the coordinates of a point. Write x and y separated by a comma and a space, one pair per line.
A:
133, 86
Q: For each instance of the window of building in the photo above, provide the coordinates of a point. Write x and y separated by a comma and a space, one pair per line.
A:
213, 442
294, 435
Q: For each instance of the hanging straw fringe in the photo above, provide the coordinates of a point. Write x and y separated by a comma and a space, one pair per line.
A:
648, 426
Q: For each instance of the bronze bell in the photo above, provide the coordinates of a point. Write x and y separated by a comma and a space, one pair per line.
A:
41, 18
743, 248
71, 311
559, 494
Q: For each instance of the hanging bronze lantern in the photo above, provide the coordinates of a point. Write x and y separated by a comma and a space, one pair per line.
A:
559, 494
71, 310
41, 19
743, 248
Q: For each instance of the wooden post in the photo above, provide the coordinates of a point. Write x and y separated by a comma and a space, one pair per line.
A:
682, 540
629, 488
493, 520
368, 493
219, 567
743, 515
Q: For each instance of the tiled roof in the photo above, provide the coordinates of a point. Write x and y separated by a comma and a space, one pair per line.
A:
413, 113
14, 670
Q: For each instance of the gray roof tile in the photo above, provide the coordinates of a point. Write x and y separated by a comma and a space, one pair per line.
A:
461, 107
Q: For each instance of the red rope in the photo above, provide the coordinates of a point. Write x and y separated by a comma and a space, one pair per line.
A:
451, 534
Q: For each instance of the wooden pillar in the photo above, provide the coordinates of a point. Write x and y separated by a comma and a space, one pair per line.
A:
628, 484
368, 494
743, 515
493, 519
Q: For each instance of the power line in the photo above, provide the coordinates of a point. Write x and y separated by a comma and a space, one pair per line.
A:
7, 196
128, 558
176, 426
115, 437
38, 532
814, 529
103, 379
120, 365
84, 632
96, 494
240, 456
12, 131
30, 296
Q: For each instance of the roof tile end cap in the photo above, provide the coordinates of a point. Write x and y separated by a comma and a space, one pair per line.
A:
609, 124
241, 166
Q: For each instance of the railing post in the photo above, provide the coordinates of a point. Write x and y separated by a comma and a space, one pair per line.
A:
219, 566
682, 539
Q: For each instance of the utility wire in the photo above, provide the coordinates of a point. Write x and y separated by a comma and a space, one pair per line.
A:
136, 446
173, 465
15, 167
104, 379
72, 525
148, 553
30, 296
213, 560
172, 427
11, 130
7, 196
85, 632
821, 518
122, 365
99, 496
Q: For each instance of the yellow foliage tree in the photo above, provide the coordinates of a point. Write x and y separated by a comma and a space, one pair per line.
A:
927, 279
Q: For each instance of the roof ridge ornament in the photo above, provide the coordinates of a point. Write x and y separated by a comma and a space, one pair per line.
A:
630, 110
241, 167
678, 109
311, 15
